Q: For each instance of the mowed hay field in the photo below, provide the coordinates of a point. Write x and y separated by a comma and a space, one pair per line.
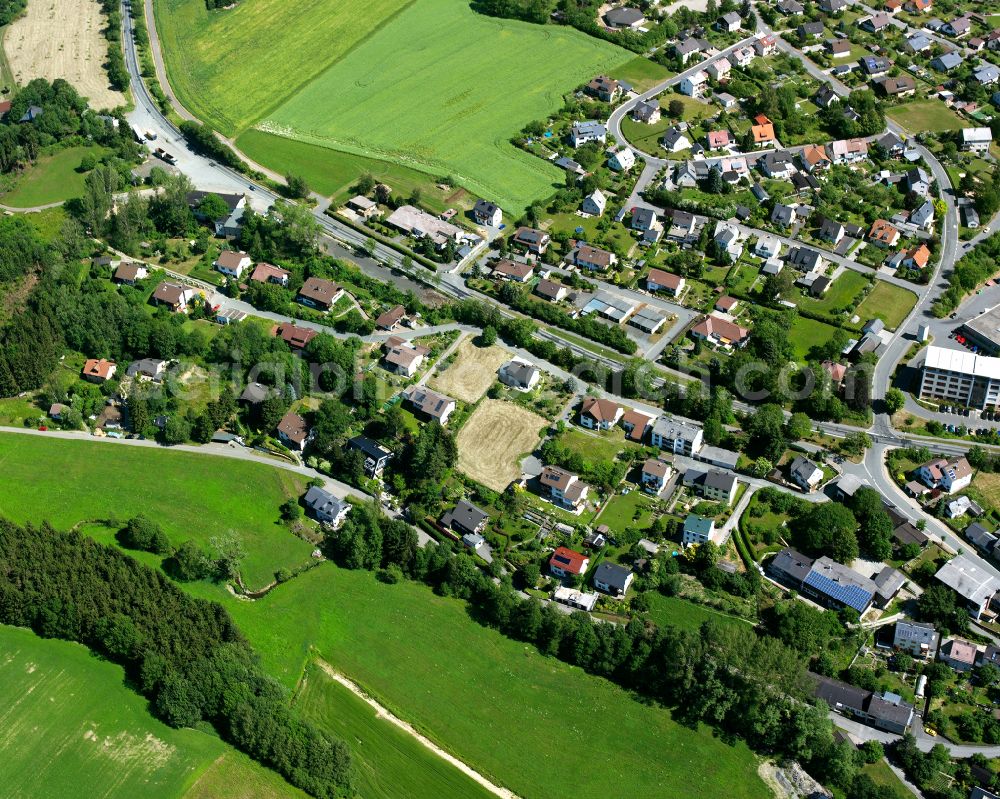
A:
192, 496
472, 372
523, 720
229, 68
63, 39
388, 762
493, 440
442, 89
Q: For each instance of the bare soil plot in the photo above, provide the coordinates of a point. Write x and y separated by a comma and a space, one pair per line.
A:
472, 372
493, 440
63, 39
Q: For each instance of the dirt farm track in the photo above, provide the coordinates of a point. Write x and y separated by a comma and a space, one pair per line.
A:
62, 39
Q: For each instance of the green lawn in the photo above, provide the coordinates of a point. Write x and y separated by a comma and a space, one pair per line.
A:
388, 763
71, 728
642, 73
193, 496
231, 67
807, 333
603, 446
629, 510
890, 303
333, 174
510, 713
52, 179
442, 89
677, 612
926, 115
881, 774
841, 294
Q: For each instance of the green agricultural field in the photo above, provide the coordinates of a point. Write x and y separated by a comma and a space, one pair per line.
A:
333, 174
409, 648
926, 115
53, 179
193, 496
442, 89
388, 763
890, 303
642, 73
72, 729
231, 67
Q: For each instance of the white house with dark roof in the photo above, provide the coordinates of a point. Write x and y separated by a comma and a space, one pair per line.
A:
325, 507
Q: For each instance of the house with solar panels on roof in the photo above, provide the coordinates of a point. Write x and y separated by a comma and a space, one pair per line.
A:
833, 584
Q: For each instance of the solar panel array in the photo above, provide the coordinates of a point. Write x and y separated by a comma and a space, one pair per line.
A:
851, 595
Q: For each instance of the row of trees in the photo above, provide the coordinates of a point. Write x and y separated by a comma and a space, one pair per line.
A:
184, 654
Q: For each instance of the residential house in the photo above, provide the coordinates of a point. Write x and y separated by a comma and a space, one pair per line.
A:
883, 234
838, 48
729, 23
268, 273
98, 370
727, 239
986, 74
778, 165
130, 273
790, 7
255, 393
810, 30
948, 475
147, 369
604, 88
719, 69
583, 132
826, 96
676, 436
712, 484
390, 319
531, 240
923, 217
900, 86
848, 151
767, 247
566, 562
805, 474
743, 56
612, 579
873, 66
887, 712
970, 582
674, 140
726, 304
726, 100
647, 112
876, 23
980, 537
232, 263
697, 530
976, 140
516, 271
946, 62
597, 413
293, 431
765, 45
658, 280
174, 296
763, 131
487, 213
687, 48
694, 85
717, 139
465, 519
918, 638
831, 231
519, 374
565, 488
917, 258
430, 403
593, 258
814, 158
837, 586
635, 424
805, 259
655, 474
319, 293
957, 27
681, 226
376, 456
783, 215
551, 290
919, 6
720, 332
917, 43
294, 336
624, 17
230, 222
363, 207
325, 507
578, 600
403, 357
594, 203
832, 6
646, 220
959, 654
622, 160
917, 180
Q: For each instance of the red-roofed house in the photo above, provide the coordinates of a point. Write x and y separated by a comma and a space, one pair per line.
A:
658, 280
294, 336
717, 139
763, 131
837, 371
635, 424
597, 413
269, 273
97, 370
883, 234
917, 258
232, 263
726, 304
566, 562
720, 332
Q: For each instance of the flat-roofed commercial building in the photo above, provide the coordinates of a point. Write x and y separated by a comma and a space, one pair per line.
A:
984, 330
962, 377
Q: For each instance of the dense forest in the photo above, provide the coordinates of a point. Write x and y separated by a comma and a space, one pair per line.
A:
185, 654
